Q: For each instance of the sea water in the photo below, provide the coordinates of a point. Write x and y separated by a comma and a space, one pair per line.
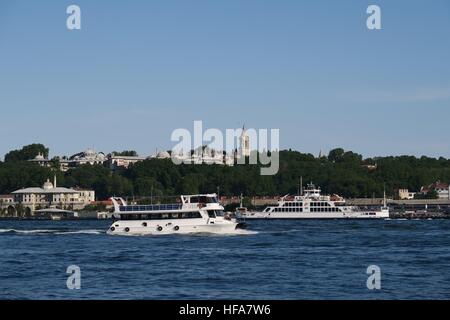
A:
284, 259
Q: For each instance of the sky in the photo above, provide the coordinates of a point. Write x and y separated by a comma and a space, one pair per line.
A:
138, 70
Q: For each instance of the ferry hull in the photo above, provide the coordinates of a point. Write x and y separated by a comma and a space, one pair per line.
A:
322, 215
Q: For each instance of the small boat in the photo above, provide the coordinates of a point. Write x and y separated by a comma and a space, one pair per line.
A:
201, 213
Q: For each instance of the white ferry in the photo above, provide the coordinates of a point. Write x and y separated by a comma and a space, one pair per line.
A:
194, 214
312, 205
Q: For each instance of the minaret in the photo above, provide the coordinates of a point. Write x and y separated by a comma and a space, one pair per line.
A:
54, 181
245, 143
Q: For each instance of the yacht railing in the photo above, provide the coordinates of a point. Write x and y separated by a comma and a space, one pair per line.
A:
155, 207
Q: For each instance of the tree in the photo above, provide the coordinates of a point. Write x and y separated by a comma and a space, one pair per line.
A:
429, 195
27, 152
336, 155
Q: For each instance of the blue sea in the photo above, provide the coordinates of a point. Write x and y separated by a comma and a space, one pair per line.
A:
301, 259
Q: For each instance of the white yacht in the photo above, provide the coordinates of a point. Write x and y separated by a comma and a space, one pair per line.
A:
312, 205
193, 214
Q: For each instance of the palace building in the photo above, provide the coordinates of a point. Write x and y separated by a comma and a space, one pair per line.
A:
52, 196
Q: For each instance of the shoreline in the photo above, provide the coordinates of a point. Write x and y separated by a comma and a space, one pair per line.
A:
395, 216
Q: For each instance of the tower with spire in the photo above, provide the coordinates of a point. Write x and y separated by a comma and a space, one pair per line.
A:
244, 143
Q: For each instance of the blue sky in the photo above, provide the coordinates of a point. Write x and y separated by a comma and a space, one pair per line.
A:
140, 69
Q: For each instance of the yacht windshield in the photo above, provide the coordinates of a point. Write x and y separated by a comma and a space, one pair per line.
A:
220, 213
203, 199
216, 213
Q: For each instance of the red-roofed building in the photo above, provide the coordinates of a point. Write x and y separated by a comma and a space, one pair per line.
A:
442, 189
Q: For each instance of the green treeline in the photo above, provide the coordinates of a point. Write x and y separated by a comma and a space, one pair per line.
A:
343, 173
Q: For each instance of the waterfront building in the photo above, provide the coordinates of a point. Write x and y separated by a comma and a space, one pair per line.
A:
52, 196
442, 189
6, 200
404, 194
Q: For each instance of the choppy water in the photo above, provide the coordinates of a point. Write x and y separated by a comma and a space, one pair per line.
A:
283, 260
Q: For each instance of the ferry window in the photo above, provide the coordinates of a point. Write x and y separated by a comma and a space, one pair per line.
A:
220, 213
211, 214
165, 216
175, 215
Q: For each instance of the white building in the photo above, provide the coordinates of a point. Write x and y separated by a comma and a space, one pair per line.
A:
51, 196
206, 155
116, 162
202, 155
442, 189
6, 200
86, 157
404, 194
41, 160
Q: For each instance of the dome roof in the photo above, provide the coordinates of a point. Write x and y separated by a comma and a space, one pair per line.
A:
39, 157
89, 152
163, 155
47, 185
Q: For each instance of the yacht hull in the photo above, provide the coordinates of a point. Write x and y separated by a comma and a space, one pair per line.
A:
141, 227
